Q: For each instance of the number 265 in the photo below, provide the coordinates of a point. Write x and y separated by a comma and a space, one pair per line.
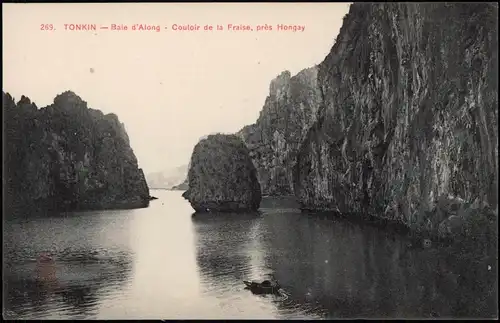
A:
46, 27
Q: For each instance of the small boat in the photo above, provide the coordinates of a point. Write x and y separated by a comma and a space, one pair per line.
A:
266, 287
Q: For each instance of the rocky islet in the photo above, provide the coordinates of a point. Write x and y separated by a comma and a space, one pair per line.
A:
222, 177
67, 156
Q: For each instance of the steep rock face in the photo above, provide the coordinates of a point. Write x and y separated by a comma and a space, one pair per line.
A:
222, 176
408, 119
67, 156
273, 140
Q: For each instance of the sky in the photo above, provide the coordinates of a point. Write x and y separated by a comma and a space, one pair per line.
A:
171, 87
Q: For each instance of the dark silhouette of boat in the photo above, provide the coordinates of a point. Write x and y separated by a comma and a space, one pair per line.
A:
266, 287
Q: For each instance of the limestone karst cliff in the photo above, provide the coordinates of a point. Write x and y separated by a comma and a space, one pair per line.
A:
222, 177
407, 123
68, 156
274, 139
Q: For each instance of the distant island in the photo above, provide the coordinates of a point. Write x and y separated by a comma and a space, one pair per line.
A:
168, 178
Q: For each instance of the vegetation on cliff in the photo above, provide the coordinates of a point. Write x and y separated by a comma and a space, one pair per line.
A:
68, 156
407, 127
222, 176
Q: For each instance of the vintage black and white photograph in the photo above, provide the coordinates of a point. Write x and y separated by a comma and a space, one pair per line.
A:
250, 160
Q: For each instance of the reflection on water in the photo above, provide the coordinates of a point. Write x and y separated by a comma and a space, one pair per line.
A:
85, 265
221, 247
224, 257
161, 262
335, 269
345, 270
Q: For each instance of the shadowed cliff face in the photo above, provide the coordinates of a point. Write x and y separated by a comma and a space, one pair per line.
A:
408, 116
67, 156
222, 176
273, 140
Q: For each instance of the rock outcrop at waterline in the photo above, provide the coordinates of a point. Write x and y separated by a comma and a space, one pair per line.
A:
222, 177
409, 115
68, 156
274, 139
182, 186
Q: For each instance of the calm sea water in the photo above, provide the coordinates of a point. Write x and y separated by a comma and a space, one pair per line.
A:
160, 262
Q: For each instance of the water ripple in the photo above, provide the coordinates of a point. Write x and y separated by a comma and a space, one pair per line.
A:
160, 262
